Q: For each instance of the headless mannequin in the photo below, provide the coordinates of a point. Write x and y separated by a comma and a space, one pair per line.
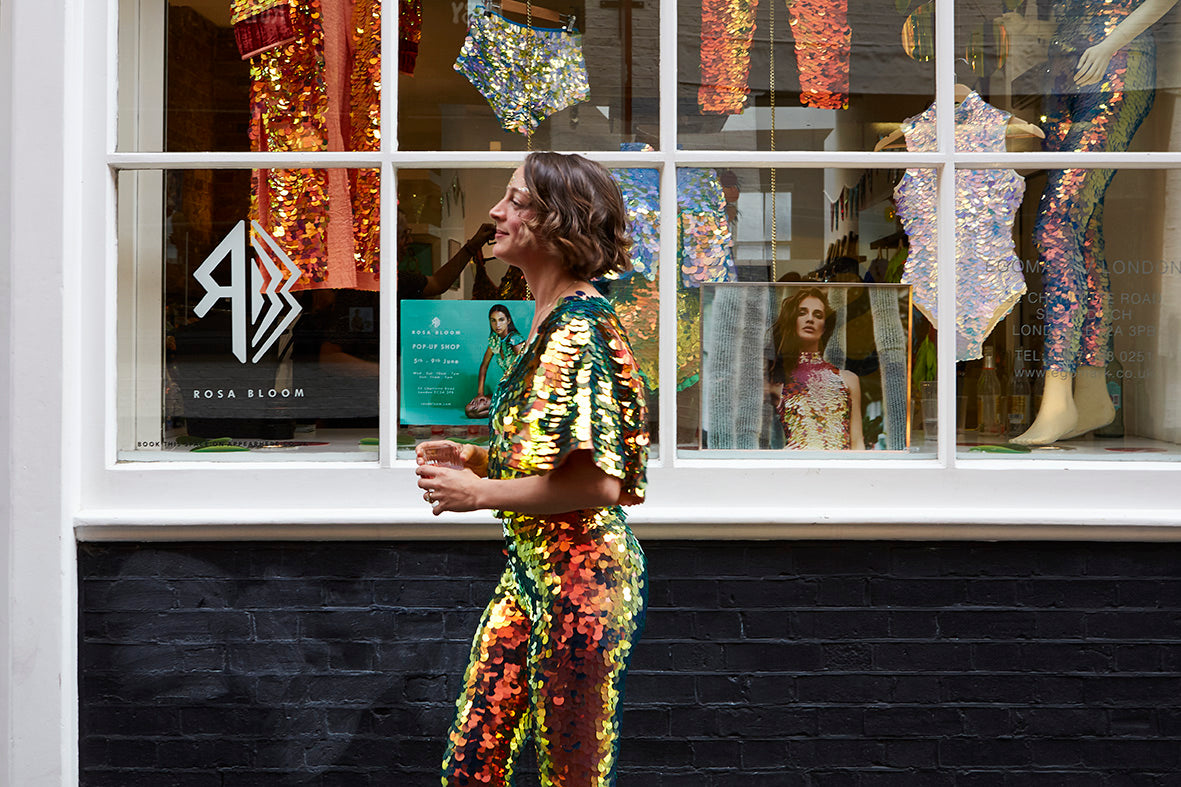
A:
1076, 403
1016, 128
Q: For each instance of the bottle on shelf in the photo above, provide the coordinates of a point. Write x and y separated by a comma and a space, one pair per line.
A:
1114, 378
1020, 397
989, 400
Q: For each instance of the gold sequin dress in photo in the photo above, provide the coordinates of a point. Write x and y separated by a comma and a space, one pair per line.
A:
553, 646
815, 407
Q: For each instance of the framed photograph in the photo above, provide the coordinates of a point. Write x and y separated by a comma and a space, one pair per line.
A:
805, 366
451, 352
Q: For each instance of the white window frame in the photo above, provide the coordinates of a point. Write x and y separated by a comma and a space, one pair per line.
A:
688, 496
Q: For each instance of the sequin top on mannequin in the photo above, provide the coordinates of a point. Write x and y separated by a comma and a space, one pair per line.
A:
989, 280
815, 407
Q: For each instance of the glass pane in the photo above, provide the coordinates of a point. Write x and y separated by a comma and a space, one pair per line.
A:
236, 75
248, 315
583, 77
1083, 365
840, 75
463, 319
1047, 68
833, 235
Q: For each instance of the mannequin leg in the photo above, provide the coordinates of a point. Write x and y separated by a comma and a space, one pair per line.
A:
1069, 237
1091, 400
1058, 414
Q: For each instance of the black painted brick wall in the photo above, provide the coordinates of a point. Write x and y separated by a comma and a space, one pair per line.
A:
763, 663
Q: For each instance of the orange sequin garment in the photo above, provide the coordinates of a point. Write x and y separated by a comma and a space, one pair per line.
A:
320, 92
553, 646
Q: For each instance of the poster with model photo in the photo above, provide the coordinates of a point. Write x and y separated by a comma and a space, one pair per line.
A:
452, 356
805, 366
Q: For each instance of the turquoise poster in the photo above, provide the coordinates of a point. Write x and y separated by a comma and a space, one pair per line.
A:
444, 344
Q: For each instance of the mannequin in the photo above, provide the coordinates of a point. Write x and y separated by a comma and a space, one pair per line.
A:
1099, 99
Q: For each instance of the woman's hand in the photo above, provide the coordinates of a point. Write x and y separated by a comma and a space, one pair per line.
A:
1092, 65
476, 242
446, 489
473, 457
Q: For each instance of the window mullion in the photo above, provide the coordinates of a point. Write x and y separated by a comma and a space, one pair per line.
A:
945, 223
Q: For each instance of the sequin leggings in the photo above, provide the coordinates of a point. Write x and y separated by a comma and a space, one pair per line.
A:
550, 656
1069, 231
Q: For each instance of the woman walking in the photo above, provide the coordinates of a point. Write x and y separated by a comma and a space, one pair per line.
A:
568, 448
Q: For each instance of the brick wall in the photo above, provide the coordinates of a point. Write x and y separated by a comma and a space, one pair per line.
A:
812, 663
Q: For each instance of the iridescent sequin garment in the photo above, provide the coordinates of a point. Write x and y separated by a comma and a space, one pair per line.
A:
1076, 289
727, 28
989, 281
553, 646
524, 73
815, 408
640, 187
506, 349
705, 239
823, 42
308, 95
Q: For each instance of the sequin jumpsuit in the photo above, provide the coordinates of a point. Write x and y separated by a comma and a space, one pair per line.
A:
552, 648
1069, 233
815, 407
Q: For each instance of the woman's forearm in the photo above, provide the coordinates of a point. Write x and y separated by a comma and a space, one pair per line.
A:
542, 495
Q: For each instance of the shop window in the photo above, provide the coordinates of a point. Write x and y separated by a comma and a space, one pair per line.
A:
583, 77
1081, 365
235, 75
816, 75
753, 244
249, 318
454, 349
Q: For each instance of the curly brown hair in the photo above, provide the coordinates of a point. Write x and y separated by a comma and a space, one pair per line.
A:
783, 332
578, 213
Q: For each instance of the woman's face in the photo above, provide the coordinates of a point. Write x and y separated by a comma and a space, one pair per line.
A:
513, 240
810, 323
498, 321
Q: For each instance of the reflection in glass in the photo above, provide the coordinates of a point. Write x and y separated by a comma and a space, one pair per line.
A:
490, 77
247, 324
806, 75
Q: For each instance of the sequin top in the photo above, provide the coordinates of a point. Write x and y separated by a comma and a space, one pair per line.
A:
1080, 24
576, 386
989, 281
505, 349
815, 407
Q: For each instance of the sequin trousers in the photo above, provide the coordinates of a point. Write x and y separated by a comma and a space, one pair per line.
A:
553, 646
1076, 288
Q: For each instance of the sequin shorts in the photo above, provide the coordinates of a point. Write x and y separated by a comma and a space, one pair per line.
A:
525, 73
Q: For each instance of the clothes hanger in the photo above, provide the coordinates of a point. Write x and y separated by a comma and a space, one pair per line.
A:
516, 7
1016, 129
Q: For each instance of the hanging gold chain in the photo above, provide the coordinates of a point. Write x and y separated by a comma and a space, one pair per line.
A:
529, 24
774, 193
